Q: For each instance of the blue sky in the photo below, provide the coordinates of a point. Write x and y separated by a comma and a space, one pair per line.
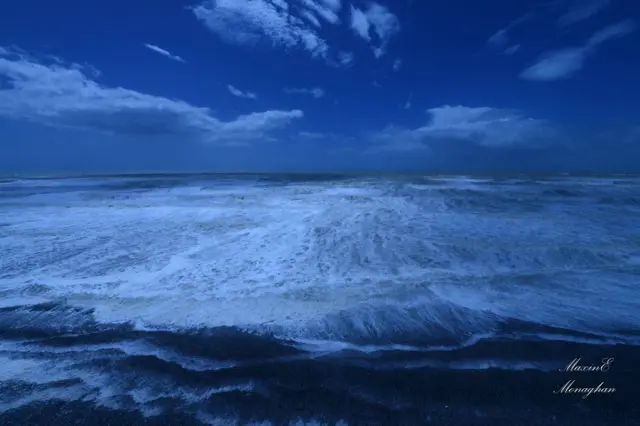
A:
253, 85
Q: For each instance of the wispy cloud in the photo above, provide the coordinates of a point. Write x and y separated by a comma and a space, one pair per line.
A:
322, 136
345, 58
572, 12
360, 23
325, 10
311, 135
484, 126
377, 19
164, 52
407, 105
248, 22
58, 94
565, 63
500, 40
511, 50
397, 64
316, 92
239, 93
580, 10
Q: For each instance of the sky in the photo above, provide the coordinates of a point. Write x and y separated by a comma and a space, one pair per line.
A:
319, 85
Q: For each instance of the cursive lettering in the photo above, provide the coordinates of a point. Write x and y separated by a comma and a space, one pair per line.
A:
568, 388
574, 365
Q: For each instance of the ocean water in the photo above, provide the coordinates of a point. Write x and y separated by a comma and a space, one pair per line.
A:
319, 300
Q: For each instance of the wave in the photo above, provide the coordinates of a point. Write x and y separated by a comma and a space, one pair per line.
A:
359, 299
220, 373
58, 325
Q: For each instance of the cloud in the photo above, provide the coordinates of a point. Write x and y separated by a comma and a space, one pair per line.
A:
511, 49
565, 63
239, 93
316, 92
482, 126
316, 136
360, 23
59, 94
556, 65
327, 10
345, 58
499, 41
248, 22
377, 19
408, 104
580, 10
397, 64
311, 135
614, 31
164, 52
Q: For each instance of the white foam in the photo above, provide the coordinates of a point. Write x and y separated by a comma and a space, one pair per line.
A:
321, 263
329, 346
80, 352
101, 386
291, 255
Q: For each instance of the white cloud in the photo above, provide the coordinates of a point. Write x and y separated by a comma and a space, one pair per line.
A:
345, 58
397, 64
580, 10
323, 136
64, 95
239, 93
316, 92
556, 65
499, 41
249, 21
311, 135
559, 64
511, 49
408, 104
360, 23
378, 19
614, 31
325, 10
484, 126
164, 52
311, 18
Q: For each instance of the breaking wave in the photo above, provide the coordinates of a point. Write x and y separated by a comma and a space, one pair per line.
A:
327, 299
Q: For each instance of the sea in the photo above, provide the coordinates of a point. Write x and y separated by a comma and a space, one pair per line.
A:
320, 299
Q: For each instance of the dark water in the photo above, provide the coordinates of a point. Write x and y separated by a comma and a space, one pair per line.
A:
324, 300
